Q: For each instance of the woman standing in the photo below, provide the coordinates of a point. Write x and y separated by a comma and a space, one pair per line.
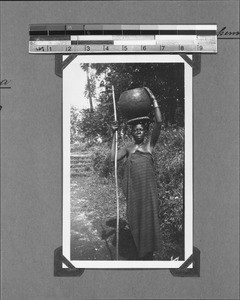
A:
140, 186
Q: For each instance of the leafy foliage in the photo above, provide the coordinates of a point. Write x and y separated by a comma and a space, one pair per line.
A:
165, 80
102, 163
169, 161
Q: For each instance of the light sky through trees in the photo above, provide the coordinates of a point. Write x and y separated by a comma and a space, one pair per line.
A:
76, 79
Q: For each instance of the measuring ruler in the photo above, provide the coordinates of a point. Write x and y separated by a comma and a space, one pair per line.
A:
95, 38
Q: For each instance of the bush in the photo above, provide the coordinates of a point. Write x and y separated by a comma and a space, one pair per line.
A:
169, 161
102, 163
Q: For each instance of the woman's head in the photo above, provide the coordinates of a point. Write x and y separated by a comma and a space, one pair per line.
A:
139, 132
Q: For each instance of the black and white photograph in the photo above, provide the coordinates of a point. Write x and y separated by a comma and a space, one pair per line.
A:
119, 145
127, 161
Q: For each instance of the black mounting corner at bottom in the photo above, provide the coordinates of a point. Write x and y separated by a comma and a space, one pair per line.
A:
184, 271
59, 271
71, 271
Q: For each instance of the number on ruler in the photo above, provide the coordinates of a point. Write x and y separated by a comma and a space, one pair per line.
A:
106, 48
49, 48
40, 49
124, 48
144, 48
68, 48
87, 48
181, 47
200, 47
162, 47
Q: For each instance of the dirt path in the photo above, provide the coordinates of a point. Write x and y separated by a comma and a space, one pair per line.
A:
86, 223
93, 222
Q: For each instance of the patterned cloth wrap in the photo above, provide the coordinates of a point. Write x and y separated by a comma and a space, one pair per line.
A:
140, 190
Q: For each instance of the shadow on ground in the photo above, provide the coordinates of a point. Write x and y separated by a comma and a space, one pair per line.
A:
127, 248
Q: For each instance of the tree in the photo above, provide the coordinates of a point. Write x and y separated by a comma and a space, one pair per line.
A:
74, 124
165, 80
90, 89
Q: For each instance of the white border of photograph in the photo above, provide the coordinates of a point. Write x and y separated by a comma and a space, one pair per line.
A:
68, 88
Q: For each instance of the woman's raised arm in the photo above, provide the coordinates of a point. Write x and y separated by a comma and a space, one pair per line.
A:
158, 120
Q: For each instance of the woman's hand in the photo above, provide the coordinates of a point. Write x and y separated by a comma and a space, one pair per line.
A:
114, 126
154, 100
150, 94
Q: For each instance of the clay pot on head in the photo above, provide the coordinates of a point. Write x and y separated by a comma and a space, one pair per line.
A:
135, 103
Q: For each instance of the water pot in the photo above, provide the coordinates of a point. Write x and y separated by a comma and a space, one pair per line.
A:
135, 103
